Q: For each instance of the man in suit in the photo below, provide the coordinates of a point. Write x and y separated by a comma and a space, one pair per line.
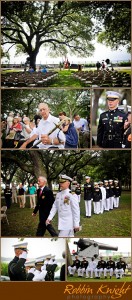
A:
45, 200
16, 268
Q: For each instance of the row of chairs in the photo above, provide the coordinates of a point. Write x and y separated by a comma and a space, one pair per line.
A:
25, 79
103, 78
3, 214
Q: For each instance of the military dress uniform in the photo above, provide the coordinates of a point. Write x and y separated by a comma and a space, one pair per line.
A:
68, 210
100, 268
117, 192
103, 200
107, 201
16, 268
111, 129
97, 197
74, 267
110, 267
78, 193
112, 193
88, 196
8, 196
82, 268
120, 269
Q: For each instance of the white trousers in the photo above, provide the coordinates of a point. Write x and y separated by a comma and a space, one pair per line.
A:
116, 201
111, 202
98, 272
107, 204
88, 208
108, 271
66, 233
81, 272
119, 272
96, 207
89, 270
72, 270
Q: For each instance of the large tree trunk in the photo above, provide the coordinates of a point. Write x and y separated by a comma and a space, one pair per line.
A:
33, 56
97, 94
38, 167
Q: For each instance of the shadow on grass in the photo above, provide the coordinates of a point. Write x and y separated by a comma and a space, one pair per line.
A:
115, 223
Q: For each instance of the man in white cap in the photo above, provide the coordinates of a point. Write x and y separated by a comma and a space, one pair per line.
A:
91, 268
107, 200
117, 192
102, 202
56, 139
120, 268
112, 191
39, 275
74, 267
68, 209
88, 196
111, 123
16, 268
30, 268
110, 267
83, 267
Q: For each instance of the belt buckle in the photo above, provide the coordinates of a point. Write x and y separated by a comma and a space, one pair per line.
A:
110, 137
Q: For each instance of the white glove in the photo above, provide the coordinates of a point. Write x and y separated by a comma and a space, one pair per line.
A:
23, 255
32, 270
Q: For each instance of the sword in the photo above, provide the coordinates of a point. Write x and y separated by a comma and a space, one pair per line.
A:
62, 122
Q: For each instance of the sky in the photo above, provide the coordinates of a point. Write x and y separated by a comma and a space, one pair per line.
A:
37, 247
123, 244
101, 53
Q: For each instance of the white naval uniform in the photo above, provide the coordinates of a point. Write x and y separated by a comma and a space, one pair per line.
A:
102, 202
91, 268
68, 213
39, 275
45, 126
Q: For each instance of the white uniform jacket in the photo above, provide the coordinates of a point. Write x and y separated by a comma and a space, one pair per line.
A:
68, 210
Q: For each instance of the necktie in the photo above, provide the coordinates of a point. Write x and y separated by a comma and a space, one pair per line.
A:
40, 193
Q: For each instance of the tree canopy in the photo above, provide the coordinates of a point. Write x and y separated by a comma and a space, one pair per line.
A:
100, 165
26, 101
65, 25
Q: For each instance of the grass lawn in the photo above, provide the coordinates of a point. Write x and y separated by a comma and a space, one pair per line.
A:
65, 78
115, 223
75, 278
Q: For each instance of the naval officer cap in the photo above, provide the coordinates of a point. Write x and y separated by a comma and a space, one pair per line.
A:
63, 178
116, 181
110, 180
105, 180
30, 263
22, 246
95, 183
39, 261
87, 177
112, 95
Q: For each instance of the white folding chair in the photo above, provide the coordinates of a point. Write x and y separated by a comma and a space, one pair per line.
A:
3, 214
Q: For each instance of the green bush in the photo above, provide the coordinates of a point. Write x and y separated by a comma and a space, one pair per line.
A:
125, 64
4, 269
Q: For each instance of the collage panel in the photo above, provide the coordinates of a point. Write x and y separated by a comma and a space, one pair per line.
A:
85, 191
66, 147
103, 259
42, 119
37, 260
111, 118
